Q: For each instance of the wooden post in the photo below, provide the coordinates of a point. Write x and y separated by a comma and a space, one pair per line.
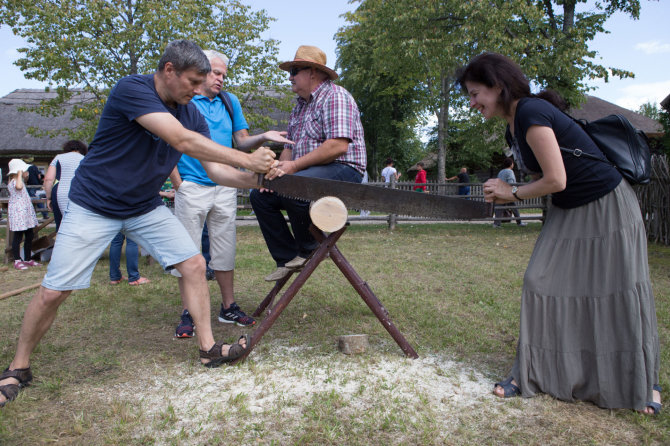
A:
393, 217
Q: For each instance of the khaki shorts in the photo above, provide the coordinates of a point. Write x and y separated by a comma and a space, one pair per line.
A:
195, 204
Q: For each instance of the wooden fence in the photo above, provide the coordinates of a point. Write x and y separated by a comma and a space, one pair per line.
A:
654, 201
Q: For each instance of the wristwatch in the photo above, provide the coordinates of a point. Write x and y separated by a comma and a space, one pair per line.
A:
514, 191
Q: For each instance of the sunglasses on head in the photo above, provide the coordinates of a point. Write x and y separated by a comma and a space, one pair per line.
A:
295, 70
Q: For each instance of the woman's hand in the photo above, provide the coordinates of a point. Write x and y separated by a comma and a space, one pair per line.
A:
497, 191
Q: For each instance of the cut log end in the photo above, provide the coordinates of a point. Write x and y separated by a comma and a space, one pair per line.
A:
328, 214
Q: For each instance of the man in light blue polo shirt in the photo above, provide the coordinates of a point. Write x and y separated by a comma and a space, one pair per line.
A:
199, 199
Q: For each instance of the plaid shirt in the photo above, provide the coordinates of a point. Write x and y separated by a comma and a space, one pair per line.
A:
331, 112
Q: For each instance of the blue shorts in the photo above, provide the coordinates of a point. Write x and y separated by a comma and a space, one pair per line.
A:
84, 235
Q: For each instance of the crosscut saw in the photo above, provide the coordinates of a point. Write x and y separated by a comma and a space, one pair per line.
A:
380, 199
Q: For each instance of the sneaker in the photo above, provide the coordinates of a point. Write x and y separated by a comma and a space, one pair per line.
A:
278, 274
18, 264
32, 263
140, 281
186, 327
116, 282
210, 274
523, 223
234, 315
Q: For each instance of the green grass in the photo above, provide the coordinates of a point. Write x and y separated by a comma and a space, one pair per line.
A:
109, 371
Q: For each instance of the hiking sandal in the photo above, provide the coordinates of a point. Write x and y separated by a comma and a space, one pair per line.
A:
11, 391
216, 358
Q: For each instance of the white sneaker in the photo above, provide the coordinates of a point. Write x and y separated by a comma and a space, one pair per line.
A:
18, 264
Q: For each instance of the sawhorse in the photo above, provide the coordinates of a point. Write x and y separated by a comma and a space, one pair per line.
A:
326, 248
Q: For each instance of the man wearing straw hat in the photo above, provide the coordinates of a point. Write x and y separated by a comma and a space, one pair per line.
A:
326, 127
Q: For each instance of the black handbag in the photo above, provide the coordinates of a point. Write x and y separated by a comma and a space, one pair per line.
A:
624, 147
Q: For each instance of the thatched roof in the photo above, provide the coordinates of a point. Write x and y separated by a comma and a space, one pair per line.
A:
14, 124
595, 108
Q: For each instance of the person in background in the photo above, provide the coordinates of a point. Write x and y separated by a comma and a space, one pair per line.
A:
132, 262
463, 178
35, 178
507, 175
420, 178
389, 172
588, 327
21, 214
329, 143
59, 176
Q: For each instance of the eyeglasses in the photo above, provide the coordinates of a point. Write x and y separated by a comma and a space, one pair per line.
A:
296, 70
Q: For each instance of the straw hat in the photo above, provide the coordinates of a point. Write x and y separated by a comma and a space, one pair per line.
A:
309, 56
15, 165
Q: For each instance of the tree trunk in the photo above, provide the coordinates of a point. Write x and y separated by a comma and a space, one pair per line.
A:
568, 15
443, 126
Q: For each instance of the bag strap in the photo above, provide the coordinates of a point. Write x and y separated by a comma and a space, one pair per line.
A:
228, 104
225, 98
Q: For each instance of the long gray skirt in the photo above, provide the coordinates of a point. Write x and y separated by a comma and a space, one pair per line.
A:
588, 320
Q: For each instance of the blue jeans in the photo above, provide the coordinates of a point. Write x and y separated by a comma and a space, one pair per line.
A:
132, 256
282, 244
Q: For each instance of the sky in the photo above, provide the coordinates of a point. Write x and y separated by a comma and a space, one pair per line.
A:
641, 46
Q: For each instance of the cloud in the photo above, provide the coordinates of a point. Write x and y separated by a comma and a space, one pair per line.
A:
635, 95
653, 47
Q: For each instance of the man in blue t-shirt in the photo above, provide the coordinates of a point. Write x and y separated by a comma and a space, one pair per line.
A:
199, 199
146, 124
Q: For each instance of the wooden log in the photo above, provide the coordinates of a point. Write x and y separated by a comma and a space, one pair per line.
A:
19, 291
328, 214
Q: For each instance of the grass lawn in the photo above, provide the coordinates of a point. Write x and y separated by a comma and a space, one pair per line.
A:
110, 372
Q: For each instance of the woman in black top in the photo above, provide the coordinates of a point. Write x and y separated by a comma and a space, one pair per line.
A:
588, 320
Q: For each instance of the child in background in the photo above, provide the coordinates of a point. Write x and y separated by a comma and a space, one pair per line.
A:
21, 214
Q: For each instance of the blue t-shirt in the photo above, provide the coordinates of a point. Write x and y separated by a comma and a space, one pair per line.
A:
587, 180
221, 130
126, 165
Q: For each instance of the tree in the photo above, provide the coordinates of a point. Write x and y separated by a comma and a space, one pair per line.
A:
91, 44
427, 41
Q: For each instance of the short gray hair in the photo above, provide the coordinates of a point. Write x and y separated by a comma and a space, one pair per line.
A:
184, 55
212, 54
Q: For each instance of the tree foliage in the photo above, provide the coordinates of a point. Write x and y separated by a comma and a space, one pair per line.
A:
91, 44
419, 46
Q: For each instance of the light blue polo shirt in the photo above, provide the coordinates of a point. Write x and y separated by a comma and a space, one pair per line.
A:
221, 130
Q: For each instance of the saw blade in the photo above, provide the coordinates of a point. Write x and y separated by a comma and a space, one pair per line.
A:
380, 199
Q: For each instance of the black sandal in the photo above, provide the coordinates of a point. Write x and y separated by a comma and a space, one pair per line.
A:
11, 391
509, 390
653, 405
216, 358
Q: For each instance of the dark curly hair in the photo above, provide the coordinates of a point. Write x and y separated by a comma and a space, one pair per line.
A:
74, 145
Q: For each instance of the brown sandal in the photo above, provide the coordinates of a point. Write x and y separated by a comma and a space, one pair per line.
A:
11, 391
214, 354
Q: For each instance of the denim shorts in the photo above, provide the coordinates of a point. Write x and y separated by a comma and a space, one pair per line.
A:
84, 235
